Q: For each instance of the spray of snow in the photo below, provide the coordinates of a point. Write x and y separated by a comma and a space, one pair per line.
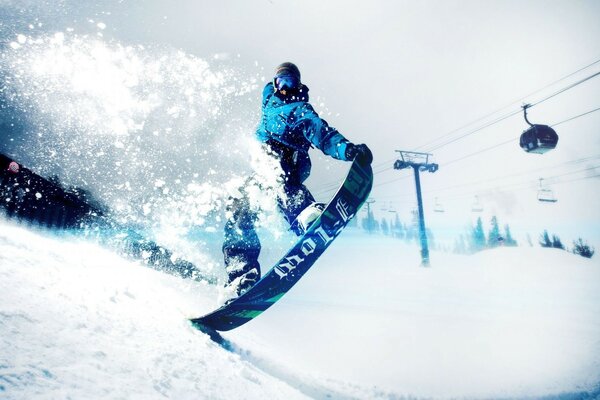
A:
160, 136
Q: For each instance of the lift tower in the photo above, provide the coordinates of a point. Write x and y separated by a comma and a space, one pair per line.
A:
418, 162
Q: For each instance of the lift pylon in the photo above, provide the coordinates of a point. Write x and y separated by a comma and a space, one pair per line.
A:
418, 162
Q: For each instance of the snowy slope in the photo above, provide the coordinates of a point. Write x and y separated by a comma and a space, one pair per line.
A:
366, 322
509, 322
78, 322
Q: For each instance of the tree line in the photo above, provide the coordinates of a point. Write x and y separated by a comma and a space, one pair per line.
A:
474, 240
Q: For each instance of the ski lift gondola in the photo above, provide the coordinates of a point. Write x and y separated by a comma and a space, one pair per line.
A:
546, 194
538, 138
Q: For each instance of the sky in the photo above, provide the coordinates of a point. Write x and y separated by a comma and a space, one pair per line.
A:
404, 76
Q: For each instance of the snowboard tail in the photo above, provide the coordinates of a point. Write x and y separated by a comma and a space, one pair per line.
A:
299, 259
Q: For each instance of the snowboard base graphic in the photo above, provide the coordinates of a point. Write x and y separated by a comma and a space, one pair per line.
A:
297, 261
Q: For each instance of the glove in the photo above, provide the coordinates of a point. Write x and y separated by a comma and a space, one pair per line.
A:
360, 152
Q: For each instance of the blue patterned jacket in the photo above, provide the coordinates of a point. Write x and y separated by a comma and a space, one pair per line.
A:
290, 127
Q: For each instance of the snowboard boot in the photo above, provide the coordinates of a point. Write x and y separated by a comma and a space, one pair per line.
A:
246, 281
240, 285
243, 270
309, 215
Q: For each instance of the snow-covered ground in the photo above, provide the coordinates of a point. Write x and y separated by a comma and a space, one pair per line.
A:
77, 321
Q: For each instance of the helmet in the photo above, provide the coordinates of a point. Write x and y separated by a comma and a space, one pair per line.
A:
287, 76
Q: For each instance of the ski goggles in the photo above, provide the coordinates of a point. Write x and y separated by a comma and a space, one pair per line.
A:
286, 82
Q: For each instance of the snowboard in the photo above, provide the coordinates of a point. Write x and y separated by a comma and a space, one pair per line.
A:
298, 260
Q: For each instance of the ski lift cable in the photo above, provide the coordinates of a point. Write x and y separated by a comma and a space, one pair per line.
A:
478, 129
469, 155
575, 117
554, 180
520, 99
576, 179
517, 186
500, 119
506, 116
550, 178
450, 162
487, 148
512, 186
500, 177
513, 139
571, 86
435, 191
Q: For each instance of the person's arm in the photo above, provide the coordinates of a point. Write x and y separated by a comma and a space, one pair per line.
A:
328, 139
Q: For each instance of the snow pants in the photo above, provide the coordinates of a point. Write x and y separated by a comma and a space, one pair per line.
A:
241, 246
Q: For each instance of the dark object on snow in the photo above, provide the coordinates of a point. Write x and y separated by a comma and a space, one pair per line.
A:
32, 199
28, 197
582, 248
545, 239
538, 138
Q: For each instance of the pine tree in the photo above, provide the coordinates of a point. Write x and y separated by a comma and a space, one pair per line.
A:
376, 225
366, 223
583, 249
398, 230
529, 240
477, 237
545, 239
369, 223
463, 244
411, 230
508, 239
385, 229
556, 243
408, 233
459, 245
353, 222
494, 237
431, 239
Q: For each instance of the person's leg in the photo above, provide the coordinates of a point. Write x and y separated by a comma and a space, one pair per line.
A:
298, 198
241, 247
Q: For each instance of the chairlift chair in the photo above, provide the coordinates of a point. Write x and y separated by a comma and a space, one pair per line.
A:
438, 207
538, 138
546, 194
477, 206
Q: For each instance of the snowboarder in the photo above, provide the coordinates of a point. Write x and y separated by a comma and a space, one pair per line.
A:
289, 127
